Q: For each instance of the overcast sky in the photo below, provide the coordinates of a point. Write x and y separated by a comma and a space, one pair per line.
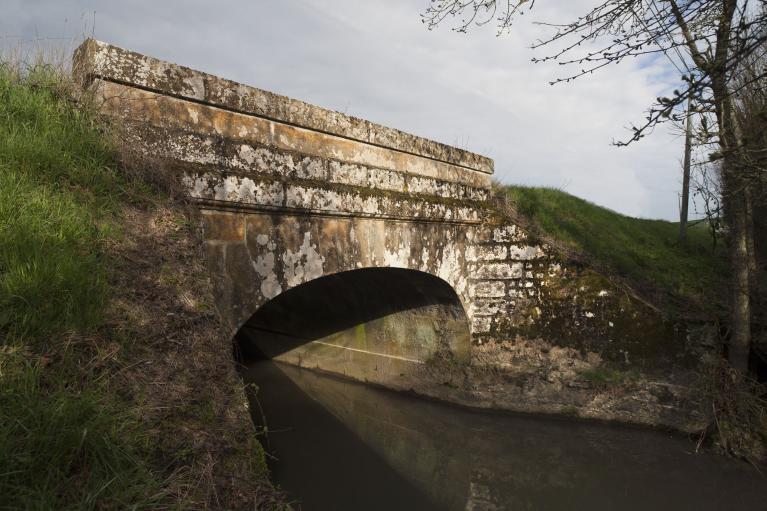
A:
375, 59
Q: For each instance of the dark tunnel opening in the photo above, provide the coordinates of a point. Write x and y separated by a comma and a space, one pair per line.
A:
391, 312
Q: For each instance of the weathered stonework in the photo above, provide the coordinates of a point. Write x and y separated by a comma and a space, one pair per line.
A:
95, 59
291, 193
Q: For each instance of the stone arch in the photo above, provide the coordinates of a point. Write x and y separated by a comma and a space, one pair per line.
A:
255, 257
372, 324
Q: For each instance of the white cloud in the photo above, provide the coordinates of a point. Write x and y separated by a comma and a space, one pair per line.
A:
375, 59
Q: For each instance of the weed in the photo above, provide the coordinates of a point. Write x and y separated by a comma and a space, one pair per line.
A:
65, 440
739, 410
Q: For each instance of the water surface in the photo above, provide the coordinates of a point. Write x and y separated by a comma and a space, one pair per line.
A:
341, 445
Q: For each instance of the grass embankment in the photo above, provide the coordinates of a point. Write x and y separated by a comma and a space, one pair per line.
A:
80, 424
645, 253
63, 442
687, 279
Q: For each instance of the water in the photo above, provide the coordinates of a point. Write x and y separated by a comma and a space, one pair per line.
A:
341, 445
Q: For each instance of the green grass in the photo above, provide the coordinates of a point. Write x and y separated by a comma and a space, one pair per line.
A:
62, 448
65, 441
645, 252
56, 181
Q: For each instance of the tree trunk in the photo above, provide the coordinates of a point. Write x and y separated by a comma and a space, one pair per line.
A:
750, 243
738, 216
734, 194
740, 314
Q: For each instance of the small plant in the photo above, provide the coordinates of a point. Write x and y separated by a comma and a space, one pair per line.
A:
74, 432
603, 377
570, 411
66, 441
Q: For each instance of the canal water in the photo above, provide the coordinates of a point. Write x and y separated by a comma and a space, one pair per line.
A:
341, 445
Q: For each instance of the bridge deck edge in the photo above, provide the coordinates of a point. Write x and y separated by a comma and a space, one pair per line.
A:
97, 59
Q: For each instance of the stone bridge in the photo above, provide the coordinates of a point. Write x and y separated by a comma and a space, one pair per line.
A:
337, 243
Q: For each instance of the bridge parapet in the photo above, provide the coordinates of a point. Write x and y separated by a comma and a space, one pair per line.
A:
290, 193
102, 60
261, 150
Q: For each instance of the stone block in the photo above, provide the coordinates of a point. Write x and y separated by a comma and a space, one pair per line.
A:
500, 271
490, 289
386, 180
223, 226
487, 307
311, 168
355, 175
504, 234
492, 252
481, 324
525, 252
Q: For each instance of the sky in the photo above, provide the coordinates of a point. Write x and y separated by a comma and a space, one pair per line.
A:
375, 59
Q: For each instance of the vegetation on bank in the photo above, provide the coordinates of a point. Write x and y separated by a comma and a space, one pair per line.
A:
70, 437
63, 441
646, 253
679, 278
73, 434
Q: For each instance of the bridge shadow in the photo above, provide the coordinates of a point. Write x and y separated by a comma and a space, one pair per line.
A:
343, 309
317, 458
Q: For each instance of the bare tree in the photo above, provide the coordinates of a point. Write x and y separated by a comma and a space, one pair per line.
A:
712, 37
750, 111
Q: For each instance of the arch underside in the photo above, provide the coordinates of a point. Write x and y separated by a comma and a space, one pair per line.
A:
373, 324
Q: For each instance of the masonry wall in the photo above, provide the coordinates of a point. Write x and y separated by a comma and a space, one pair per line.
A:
290, 192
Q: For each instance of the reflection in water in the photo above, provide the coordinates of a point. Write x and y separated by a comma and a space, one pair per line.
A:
343, 445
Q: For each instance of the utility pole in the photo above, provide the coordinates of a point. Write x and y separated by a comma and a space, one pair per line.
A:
683, 211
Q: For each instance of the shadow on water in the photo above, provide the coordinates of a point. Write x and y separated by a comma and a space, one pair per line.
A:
343, 445
319, 461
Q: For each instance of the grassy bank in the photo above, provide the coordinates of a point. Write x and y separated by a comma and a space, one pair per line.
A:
81, 424
63, 441
646, 253
689, 278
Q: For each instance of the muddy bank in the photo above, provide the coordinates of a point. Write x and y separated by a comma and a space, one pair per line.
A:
177, 372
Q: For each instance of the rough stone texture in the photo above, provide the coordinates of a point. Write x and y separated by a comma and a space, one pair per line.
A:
204, 134
97, 59
524, 289
243, 192
280, 251
291, 193
536, 376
